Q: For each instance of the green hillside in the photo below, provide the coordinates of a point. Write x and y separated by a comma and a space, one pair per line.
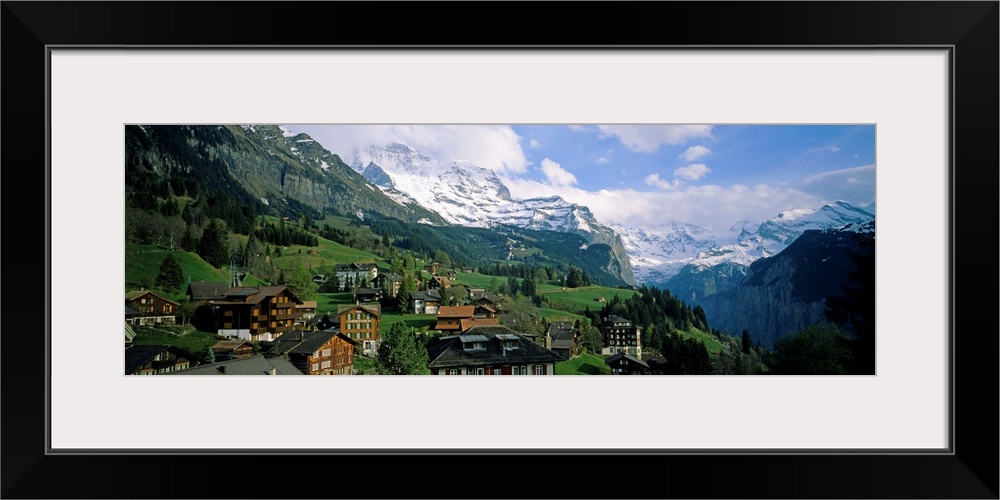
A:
142, 265
584, 364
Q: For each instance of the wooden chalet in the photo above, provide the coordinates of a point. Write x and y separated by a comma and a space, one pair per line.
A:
324, 352
255, 313
563, 339
143, 307
149, 359
458, 319
232, 349
439, 282
360, 322
626, 364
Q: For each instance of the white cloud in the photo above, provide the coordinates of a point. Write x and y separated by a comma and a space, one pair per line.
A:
855, 185
495, 147
709, 206
533, 144
557, 175
648, 138
693, 172
656, 181
823, 149
602, 160
694, 152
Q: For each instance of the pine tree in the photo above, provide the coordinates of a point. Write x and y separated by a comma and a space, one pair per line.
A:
574, 278
528, 287
214, 244
171, 276
403, 297
747, 343
512, 286
399, 353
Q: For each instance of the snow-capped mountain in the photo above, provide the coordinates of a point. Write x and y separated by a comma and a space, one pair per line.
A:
694, 262
659, 252
466, 194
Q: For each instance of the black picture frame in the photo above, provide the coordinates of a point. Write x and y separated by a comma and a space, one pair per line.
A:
969, 28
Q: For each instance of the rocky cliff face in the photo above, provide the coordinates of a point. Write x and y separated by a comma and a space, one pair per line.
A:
769, 311
787, 292
265, 164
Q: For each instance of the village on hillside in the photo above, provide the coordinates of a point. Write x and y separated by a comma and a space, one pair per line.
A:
268, 330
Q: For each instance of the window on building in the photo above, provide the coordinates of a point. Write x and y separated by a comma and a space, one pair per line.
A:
453, 371
524, 370
539, 370
514, 370
327, 352
496, 371
315, 367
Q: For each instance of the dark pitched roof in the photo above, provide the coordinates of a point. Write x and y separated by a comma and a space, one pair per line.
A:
229, 345
562, 330
615, 319
135, 294
467, 323
628, 357
312, 341
205, 290
562, 343
489, 296
299, 342
138, 355
433, 295
254, 365
449, 351
255, 295
390, 277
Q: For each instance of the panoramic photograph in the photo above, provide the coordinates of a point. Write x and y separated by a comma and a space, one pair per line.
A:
499, 249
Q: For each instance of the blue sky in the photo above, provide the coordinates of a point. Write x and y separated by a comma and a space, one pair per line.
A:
710, 175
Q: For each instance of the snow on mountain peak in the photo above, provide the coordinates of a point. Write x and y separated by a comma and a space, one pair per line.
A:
660, 252
465, 193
